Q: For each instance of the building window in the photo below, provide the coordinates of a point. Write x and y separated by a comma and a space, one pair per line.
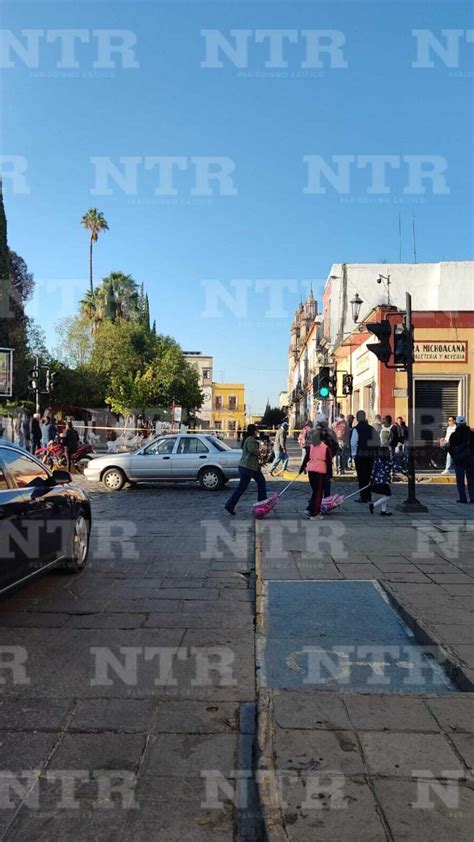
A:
231, 426
232, 402
218, 425
206, 374
218, 402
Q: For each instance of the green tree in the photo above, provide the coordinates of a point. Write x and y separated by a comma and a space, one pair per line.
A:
273, 416
95, 222
116, 297
4, 278
75, 341
121, 348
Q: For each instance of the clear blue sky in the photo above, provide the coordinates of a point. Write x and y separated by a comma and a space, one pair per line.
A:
270, 229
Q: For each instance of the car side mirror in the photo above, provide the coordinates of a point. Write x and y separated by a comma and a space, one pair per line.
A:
62, 477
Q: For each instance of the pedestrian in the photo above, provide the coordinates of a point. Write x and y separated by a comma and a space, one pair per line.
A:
461, 448
35, 432
17, 434
49, 431
389, 434
341, 431
364, 442
403, 434
24, 430
249, 468
377, 425
350, 424
239, 433
328, 437
303, 438
279, 448
70, 441
318, 463
445, 444
380, 479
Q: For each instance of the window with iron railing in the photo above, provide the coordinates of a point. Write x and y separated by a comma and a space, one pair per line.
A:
218, 402
232, 402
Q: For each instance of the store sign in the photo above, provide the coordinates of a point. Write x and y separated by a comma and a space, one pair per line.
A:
6, 372
441, 352
362, 363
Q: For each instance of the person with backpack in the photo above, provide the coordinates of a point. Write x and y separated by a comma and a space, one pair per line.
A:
318, 462
341, 431
389, 434
303, 438
364, 443
461, 448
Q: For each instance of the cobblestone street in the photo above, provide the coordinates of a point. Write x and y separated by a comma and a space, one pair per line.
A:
167, 600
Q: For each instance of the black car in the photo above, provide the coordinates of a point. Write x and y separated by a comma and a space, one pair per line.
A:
44, 521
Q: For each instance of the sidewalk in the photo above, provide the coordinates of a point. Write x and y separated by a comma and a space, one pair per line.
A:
377, 763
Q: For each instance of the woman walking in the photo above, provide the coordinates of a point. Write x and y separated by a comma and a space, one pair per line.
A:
318, 463
249, 468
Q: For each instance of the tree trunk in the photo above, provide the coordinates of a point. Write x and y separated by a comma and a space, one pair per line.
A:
90, 266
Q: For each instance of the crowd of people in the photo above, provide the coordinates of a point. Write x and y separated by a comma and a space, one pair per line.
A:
35, 432
377, 452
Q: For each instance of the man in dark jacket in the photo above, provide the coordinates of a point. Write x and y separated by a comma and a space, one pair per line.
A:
461, 448
364, 443
35, 432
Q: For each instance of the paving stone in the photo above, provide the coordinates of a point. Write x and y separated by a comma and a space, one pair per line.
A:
398, 755
331, 807
360, 571
320, 571
196, 717
416, 812
25, 750
30, 714
108, 621
466, 653
99, 751
181, 756
132, 715
25, 619
465, 746
389, 713
454, 633
310, 710
82, 824
313, 751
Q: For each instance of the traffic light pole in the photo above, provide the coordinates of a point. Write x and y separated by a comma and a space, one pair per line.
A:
411, 504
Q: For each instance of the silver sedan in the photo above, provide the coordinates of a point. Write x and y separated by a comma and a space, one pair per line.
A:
202, 458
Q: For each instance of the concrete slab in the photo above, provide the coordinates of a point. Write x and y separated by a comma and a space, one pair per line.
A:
294, 709
196, 717
398, 755
389, 713
415, 812
181, 756
313, 751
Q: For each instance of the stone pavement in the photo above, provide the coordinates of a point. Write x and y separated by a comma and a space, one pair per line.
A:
138, 673
372, 765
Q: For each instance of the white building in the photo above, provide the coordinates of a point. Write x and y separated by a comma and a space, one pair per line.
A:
204, 366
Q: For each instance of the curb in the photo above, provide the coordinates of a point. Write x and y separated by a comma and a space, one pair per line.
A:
268, 791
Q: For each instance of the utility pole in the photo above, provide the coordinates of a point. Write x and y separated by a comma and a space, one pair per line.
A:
411, 504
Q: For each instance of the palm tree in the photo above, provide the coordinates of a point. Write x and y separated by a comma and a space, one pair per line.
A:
95, 222
116, 297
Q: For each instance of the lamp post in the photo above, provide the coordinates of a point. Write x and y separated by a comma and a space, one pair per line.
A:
356, 304
385, 279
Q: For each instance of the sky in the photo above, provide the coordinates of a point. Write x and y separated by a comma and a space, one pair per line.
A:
318, 154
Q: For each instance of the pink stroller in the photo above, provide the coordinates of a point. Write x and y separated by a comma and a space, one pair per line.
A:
263, 507
328, 504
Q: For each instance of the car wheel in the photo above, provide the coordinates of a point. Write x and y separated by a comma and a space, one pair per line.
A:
113, 479
211, 479
76, 558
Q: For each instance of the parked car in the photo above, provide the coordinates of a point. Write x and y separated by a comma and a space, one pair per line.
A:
173, 457
44, 521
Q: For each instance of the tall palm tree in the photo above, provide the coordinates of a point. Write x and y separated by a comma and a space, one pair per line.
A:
95, 222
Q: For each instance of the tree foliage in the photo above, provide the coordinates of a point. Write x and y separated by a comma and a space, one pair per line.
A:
273, 416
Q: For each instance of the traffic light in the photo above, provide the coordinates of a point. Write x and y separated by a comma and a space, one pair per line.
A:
383, 331
33, 379
400, 346
347, 384
324, 384
50, 378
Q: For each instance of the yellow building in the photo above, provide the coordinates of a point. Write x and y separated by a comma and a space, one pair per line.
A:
228, 407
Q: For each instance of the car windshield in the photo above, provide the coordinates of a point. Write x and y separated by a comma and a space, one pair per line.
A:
219, 445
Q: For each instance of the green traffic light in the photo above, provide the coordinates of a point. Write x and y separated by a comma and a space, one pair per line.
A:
324, 392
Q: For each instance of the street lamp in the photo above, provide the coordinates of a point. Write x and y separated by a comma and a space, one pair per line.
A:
356, 304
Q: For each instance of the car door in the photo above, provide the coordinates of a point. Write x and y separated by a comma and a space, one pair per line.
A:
47, 511
191, 454
154, 462
13, 533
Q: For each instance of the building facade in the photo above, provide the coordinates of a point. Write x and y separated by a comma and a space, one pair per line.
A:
228, 407
443, 317
204, 366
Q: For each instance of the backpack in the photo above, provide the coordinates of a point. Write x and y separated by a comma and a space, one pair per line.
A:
341, 429
302, 436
